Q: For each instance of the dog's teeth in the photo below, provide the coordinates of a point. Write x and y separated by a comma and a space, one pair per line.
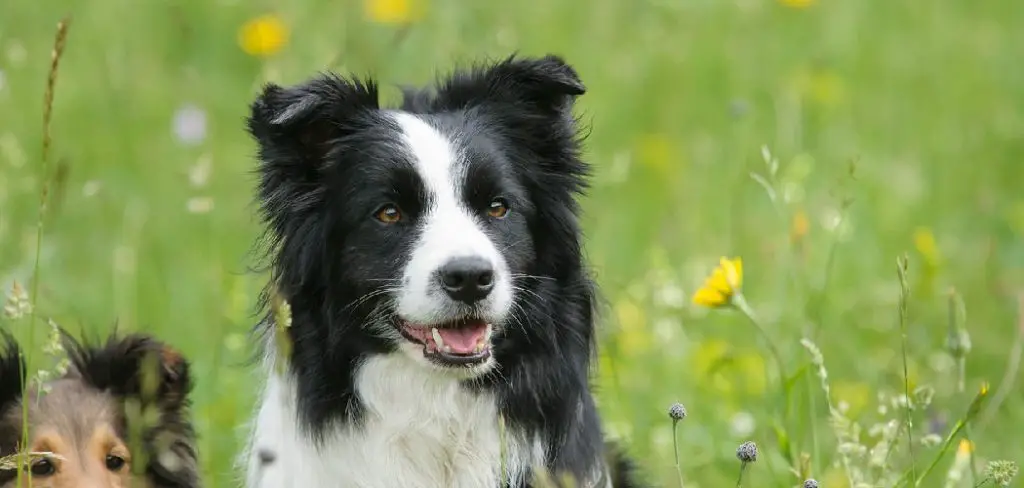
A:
447, 349
437, 338
479, 347
487, 333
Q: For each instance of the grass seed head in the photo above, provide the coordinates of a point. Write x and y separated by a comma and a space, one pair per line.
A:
1001, 472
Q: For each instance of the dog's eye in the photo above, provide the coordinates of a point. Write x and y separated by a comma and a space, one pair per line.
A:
498, 208
43, 467
114, 462
389, 214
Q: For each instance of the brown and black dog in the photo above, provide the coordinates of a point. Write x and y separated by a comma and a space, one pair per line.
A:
130, 391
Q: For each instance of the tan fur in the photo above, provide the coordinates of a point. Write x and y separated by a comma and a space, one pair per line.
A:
79, 425
78, 435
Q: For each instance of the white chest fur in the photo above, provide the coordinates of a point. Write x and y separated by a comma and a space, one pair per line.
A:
421, 430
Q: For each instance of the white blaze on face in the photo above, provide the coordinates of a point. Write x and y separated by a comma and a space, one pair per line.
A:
447, 230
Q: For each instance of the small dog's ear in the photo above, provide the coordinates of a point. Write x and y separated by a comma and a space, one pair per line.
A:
547, 83
135, 366
12, 372
143, 369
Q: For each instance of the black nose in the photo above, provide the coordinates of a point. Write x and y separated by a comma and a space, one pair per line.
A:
467, 280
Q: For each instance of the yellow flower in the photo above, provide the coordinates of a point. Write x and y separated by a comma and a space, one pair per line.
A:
857, 396
750, 367
984, 389
797, 3
966, 447
392, 11
263, 36
925, 243
820, 86
708, 361
656, 151
633, 336
836, 478
799, 227
1015, 216
724, 283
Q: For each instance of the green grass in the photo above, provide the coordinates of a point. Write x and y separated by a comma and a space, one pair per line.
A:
922, 100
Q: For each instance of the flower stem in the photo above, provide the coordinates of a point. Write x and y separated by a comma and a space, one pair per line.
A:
739, 481
675, 448
741, 304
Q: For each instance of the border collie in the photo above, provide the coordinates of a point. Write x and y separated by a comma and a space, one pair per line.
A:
442, 316
84, 418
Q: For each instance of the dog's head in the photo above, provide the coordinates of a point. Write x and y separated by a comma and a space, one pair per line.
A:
86, 421
422, 226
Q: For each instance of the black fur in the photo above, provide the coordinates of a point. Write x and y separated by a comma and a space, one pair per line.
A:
12, 387
324, 161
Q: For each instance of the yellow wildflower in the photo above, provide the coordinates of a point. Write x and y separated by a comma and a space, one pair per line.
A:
392, 11
724, 283
797, 3
633, 336
1015, 217
263, 36
750, 366
856, 396
799, 227
984, 389
966, 447
925, 243
656, 151
708, 361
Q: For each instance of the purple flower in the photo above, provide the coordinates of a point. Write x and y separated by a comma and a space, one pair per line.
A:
190, 125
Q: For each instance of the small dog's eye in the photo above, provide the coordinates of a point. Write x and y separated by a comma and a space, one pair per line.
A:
43, 467
498, 208
115, 463
389, 214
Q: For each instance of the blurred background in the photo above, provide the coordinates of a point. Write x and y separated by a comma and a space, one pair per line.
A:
896, 127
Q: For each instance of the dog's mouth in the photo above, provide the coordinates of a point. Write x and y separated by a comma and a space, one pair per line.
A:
460, 343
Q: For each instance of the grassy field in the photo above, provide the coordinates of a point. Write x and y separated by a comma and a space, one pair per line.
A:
898, 129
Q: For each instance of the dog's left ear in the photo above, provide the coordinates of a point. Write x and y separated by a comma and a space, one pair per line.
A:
547, 83
134, 366
12, 371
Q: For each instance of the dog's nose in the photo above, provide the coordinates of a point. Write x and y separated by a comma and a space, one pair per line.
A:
467, 280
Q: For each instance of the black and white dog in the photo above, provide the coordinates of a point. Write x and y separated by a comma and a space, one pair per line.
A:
442, 316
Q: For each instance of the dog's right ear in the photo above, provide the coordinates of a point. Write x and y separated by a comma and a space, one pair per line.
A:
135, 366
12, 372
294, 126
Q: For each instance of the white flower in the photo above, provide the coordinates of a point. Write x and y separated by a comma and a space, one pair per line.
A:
199, 174
742, 424
200, 205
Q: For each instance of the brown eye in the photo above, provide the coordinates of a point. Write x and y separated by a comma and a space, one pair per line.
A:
43, 467
498, 208
115, 463
389, 214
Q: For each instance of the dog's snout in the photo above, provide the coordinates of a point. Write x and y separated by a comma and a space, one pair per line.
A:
467, 279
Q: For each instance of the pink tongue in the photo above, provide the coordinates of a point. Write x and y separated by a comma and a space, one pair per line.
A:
464, 339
